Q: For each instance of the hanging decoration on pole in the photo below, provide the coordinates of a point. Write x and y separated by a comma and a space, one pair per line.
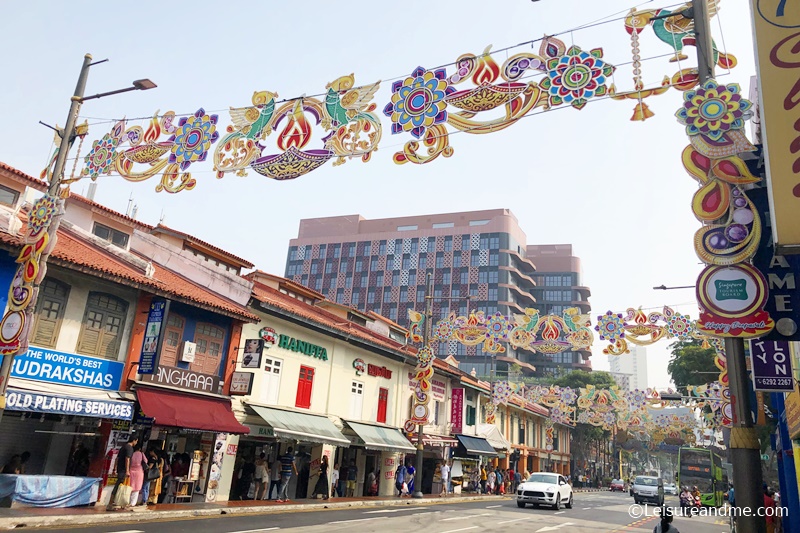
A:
730, 291
422, 375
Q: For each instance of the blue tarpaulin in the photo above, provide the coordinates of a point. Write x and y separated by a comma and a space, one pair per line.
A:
49, 491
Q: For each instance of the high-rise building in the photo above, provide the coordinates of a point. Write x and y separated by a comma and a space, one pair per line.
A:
381, 266
633, 364
559, 286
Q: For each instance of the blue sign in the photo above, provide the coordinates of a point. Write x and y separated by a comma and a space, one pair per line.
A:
41, 364
781, 271
152, 334
771, 366
33, 402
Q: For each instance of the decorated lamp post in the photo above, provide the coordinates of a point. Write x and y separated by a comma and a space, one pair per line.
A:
40, 237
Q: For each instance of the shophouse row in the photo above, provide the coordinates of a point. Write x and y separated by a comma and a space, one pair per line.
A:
150, 331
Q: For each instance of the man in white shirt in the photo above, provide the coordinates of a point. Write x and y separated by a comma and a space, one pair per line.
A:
335, 481
445, 473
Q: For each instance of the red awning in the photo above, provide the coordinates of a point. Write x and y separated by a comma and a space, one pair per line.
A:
189, 411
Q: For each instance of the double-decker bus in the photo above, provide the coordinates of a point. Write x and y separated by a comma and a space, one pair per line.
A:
703, 468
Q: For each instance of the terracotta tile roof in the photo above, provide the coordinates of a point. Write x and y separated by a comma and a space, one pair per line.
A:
30, 180
312, 313
296, 287
115, 214
194, 240
73, 252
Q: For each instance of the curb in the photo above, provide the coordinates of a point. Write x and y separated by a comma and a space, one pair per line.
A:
150, 516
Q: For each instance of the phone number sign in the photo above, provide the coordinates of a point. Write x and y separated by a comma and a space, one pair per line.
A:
771, 366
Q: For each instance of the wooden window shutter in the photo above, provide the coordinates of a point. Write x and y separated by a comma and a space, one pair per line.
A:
49, 313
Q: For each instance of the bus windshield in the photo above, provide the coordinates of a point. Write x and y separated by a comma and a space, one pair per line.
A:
698, 468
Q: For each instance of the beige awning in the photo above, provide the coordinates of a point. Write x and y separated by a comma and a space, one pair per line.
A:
491, 433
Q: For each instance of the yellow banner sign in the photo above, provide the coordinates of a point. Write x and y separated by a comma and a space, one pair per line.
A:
792, 406
777, 35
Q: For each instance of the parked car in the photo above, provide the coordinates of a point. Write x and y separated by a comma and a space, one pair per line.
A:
671, 488
648, 489
545, 488
617, 485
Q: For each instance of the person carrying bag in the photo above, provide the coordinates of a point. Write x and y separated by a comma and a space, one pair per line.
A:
122, 498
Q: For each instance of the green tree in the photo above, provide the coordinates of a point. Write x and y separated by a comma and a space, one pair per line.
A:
691, 364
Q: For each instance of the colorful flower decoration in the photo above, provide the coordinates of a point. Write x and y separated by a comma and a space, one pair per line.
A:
425, 356
576, 77
713, 109
637, 399
680, 326
443, 330
583, 417
41, 213
610, 326
100, 159
194, 137
418, 101
610, 418
502, 392
568, 396
498, 327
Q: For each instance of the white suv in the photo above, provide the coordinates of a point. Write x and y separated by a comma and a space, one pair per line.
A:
648, 489
545, 488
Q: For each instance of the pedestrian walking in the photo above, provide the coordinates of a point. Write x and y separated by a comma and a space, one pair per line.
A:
665, 526
137, 470
445, 475
274, 479
261, 476
123, 468
335, 480
483, 479
352, 479
322, 487
411, 478
287, 469
400, 480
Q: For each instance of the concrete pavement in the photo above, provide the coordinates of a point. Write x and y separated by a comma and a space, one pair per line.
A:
593, 512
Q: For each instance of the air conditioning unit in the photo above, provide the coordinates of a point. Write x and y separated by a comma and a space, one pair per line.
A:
187, 352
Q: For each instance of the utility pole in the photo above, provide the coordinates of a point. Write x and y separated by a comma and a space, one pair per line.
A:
425, 336
744, 443
67, 138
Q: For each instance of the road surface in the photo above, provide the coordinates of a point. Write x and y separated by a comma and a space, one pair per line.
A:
592, 512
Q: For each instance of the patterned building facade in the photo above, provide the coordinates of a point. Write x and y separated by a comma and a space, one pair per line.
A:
381, 266
559, 286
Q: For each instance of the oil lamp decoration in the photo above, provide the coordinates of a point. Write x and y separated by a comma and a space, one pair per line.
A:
428, 101
346, 113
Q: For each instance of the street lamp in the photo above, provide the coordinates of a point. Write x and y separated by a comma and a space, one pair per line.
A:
68, 136
425, 337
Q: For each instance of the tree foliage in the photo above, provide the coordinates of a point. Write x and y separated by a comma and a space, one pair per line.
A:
584, 434
691, 364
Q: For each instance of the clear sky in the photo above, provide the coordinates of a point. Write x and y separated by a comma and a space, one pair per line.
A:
613, 188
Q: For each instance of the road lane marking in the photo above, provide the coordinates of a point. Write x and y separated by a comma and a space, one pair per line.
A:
355, 520
494, 506
465, 517
462, 529
560, 512
554, 528
245, 531
515, 520
585, 508
394, 510
129, 531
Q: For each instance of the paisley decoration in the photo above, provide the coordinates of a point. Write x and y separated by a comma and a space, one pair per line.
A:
39, 240
417, 321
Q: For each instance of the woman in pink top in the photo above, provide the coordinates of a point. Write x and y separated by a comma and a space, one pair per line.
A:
138, 466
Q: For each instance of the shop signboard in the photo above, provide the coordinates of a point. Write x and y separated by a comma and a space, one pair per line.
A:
241, 383
771, 366
783, 303
253, 348
260, 431
792, 406
777, 35
183, 378
457, 410
295, 345
34, 402
732, 300
42, 364
438, 387
151, 345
